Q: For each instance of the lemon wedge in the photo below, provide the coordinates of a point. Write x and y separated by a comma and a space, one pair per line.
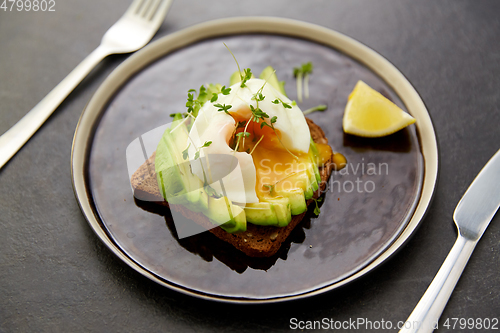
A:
368, 113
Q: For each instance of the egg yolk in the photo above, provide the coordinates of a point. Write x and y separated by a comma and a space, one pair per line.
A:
277, 169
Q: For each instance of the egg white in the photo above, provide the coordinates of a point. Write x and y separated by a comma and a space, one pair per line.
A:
218, 127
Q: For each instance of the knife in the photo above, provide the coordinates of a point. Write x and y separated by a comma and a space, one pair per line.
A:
472, 216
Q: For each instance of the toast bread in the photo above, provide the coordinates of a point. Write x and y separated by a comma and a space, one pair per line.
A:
256, 241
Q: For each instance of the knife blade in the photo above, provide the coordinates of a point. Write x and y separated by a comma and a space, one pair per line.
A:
481, 201
472, 216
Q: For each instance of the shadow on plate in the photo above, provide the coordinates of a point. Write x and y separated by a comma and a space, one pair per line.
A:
399, 142
208, 246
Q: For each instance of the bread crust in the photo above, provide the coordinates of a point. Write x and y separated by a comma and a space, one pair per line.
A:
256, 241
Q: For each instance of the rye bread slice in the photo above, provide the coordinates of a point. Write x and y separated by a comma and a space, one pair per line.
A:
257, 241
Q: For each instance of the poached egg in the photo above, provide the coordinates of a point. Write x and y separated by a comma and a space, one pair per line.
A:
264, 157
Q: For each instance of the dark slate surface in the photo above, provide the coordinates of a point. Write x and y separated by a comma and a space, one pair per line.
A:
56, 275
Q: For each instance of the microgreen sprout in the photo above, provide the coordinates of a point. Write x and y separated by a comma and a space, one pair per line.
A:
240, 134
197, 154
316, 209
223, 107
211, 192
188, 116
223, 90
257, 113
247, 75
247, 72
196, 99
316, 108
279, 100
236, 61
258, 97
302, 74
185, 154
206, 144
255, 146
270, 187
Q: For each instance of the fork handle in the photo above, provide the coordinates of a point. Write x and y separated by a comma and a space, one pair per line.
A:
12, 140
425, 316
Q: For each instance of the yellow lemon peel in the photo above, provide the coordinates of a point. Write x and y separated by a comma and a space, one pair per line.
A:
368, 113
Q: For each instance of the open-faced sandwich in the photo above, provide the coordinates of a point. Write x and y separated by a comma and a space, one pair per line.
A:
243, 162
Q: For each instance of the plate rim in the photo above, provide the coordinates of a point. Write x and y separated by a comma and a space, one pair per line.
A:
248, 25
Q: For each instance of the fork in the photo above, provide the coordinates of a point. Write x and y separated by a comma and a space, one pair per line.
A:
131, 32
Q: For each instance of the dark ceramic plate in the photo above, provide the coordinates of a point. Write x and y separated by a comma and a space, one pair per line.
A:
370, 208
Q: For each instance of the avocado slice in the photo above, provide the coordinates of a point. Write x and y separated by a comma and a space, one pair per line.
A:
261, 213
296, 199
169, 171
176, 182
312, 185
308, 182
230, 217
269, 74
282, 88
314, 153
311, 172
272, 212
282, 209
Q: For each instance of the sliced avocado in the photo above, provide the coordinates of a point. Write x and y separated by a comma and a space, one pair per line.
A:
296, 200
177, 116
234, 78
282, 88
213, 89
282, 209
316, 171
179, 134
176, 182
311, 172
308, 193
221, 211
269, 74
198, 197
274, 212
210, 90
312, 147
169, 169
314, 153
261, 213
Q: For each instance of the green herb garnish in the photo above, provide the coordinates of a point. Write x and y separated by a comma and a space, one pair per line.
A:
197, 154
258, 97
224, 107
316, 209
316, 108
247, 75
185, 154
285, 105
270, 187
302, 74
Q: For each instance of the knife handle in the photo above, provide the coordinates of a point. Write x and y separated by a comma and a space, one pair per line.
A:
425, 316
12, 140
